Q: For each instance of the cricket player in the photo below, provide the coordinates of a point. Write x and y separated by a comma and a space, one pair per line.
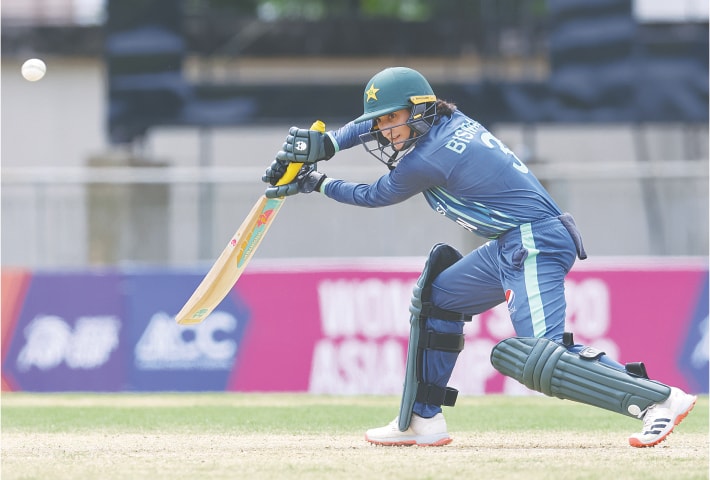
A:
469, 176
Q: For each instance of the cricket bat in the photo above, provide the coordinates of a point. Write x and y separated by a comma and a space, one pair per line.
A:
225, 272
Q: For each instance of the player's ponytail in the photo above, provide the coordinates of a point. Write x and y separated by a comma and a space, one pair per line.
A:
444, 108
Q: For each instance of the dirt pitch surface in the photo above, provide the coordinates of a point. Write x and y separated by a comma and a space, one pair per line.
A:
120, 450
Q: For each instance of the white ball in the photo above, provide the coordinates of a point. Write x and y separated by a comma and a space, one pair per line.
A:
33, 69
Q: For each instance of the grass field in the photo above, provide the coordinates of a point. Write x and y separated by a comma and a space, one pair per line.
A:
286, 436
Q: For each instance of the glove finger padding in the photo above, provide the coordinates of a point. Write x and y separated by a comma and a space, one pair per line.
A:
282, 190
274, 172
303, 146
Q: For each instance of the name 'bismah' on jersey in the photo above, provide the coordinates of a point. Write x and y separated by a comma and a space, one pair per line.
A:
463, 137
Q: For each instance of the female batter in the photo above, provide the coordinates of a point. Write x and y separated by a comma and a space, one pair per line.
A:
468, 175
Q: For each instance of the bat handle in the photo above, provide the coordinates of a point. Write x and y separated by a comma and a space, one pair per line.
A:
293, 168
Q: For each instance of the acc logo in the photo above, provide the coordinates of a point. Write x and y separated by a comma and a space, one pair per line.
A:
301, 146
510, 300
164, 345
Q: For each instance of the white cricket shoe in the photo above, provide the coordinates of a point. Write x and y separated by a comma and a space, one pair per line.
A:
425, 432
659, 419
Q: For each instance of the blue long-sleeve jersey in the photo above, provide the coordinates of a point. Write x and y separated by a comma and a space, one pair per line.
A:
464, 172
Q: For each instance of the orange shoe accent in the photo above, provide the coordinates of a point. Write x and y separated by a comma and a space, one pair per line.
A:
409, 443
636, 443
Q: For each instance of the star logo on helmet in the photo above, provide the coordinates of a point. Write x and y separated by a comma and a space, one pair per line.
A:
372, 93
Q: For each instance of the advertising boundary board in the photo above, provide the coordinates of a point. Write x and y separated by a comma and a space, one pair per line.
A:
335, 326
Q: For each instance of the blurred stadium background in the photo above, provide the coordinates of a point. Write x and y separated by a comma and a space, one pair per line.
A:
146, 140
128, 167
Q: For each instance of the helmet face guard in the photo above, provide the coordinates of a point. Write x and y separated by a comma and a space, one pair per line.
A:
421, 118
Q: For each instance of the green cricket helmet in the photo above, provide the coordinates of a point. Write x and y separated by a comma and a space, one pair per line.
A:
391, 90
394, 89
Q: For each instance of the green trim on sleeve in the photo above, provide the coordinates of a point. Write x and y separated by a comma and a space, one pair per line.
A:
326, 181
334, 141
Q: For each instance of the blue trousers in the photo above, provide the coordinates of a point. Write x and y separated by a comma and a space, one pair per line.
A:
526, 267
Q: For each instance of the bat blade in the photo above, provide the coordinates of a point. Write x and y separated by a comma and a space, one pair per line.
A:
231, 263
236, 255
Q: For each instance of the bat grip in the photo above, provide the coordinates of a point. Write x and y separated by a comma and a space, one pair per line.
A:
293, 168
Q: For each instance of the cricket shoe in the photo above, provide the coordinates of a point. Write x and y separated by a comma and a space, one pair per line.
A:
660, 419
425, 432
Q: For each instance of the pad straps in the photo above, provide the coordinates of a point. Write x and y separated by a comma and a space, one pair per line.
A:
445, 342
431, 310
440, 258
434, 395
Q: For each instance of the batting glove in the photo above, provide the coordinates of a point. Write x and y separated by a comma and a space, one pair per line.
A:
308, 180
305, 146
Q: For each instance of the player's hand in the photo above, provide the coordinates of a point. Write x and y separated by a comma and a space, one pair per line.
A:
304, 146
273, 174
308, 180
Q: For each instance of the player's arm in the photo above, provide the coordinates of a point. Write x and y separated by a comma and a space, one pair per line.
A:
396, 186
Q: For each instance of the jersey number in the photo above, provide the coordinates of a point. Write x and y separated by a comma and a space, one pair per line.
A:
489, 140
